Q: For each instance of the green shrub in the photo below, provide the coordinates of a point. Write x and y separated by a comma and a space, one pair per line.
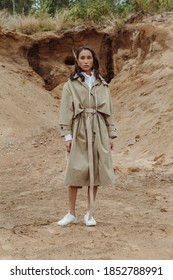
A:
152, 5
90, 11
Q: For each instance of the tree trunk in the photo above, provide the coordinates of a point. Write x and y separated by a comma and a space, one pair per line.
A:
14, 8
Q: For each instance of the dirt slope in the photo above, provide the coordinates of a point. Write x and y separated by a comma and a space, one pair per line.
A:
135, 218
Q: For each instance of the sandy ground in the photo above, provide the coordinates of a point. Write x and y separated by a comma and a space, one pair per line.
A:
135, 217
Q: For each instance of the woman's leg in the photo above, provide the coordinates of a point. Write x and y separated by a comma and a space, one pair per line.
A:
70, 218
89, 221
72, 194
94, 192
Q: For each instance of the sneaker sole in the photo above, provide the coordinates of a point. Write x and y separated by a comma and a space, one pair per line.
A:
74, 223
89, 225
61, 224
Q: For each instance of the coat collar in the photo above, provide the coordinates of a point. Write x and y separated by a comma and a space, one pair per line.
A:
96, 82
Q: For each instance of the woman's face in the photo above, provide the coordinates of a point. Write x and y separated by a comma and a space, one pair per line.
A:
85, 61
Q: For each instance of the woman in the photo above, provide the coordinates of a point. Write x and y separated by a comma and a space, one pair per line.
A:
87, 122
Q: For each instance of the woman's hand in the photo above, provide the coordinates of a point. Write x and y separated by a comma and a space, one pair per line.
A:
68, 145
111, 143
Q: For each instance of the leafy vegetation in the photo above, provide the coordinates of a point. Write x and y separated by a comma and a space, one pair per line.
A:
40, 15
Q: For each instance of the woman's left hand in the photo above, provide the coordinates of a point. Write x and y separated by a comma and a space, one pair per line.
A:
111, 143
68, 146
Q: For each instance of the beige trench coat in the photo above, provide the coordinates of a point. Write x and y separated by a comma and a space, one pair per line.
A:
76, 99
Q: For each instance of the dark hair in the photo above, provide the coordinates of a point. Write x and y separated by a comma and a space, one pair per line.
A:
78, 69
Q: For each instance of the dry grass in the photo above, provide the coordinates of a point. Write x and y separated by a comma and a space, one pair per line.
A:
32, 24
114, 21
65, 19
26, 24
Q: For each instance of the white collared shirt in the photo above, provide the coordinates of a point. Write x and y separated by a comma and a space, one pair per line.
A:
89, 79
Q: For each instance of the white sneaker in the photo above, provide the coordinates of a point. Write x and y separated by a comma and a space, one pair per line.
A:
89, 222
68, 219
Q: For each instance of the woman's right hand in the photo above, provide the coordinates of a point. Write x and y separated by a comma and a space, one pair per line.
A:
68, 145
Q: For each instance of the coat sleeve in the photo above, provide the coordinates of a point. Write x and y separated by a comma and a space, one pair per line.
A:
66, 111
112, 132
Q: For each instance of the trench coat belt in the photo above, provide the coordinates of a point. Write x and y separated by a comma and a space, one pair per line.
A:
90, 158
90, 110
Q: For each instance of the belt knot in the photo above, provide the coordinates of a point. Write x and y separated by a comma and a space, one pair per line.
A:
90, 110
